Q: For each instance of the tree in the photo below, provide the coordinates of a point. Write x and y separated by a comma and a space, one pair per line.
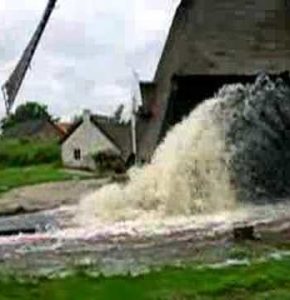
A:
118, 113
76, 118
26, 112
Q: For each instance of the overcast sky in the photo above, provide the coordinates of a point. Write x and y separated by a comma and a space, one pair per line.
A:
87, 52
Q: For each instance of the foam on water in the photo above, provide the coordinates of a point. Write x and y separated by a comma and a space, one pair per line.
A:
188, 175
205, 163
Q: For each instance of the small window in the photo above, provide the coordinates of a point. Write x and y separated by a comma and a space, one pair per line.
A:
77, 154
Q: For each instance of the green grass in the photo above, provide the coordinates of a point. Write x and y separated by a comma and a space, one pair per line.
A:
269, 280
20, 176
27, 162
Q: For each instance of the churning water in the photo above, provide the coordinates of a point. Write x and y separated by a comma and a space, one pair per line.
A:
232, 149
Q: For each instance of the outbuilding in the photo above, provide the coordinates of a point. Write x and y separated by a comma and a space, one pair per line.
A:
94, 134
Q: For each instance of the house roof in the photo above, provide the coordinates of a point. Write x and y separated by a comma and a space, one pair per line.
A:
118, 133
64, 126
71, 130
29, 129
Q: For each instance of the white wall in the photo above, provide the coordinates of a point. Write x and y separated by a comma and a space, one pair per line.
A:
90, 140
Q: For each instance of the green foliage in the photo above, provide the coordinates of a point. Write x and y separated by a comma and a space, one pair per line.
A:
77, 118
16, 177
268, 280
26, 112
17, 153
240, 252
118, 113
109, 161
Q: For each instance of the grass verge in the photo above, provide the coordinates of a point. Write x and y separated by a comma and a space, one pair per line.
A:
268, 280
20, 176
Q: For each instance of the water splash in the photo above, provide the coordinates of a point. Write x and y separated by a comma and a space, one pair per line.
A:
258, 138
188, 175
231, 148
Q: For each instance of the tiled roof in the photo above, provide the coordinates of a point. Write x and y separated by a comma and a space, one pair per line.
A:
29, 129
64, 126
118, 133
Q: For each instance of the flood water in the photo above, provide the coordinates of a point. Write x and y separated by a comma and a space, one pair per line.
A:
232, 151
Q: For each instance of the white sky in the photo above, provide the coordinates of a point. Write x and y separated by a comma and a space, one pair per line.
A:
87, 52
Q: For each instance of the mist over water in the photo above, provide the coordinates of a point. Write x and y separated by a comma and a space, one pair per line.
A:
231, 149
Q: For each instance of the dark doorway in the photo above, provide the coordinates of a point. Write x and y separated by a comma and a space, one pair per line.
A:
189, 91
130, 161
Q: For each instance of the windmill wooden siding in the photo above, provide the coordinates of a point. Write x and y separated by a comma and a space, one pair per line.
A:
210, 37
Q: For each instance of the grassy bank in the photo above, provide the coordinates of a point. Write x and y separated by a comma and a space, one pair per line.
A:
26, 162
20, 153
20, 176
269, 280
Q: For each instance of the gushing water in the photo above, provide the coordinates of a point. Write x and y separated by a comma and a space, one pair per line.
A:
213, 160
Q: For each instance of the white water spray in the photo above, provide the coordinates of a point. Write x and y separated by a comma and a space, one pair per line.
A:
233, 148
188, 175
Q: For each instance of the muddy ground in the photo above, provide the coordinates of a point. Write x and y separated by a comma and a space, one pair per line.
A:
47, 196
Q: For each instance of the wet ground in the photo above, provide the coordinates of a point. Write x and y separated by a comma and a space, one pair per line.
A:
133, 246
47, 196
44, 238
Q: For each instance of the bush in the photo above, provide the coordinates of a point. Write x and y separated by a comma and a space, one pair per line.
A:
109, 161
23, 152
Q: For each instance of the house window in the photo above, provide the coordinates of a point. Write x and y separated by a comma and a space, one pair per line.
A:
77, 154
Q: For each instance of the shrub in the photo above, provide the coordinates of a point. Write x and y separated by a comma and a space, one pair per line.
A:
109, 160
23, 152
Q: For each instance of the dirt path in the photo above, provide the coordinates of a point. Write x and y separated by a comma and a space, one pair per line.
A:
47, 196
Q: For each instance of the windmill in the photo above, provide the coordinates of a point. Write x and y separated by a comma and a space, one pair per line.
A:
11, 87
136, 103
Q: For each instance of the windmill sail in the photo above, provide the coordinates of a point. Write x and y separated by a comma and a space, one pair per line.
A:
13, 84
